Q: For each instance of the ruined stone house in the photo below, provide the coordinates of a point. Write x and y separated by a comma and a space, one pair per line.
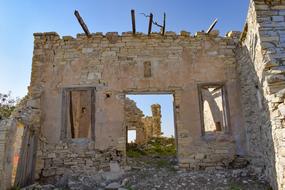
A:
74, 115
146, 127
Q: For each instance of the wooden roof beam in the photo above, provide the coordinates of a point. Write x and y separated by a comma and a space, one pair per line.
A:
133, 21
82, 23
212, 26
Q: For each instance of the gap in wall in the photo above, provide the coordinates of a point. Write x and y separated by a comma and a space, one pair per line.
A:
150, 126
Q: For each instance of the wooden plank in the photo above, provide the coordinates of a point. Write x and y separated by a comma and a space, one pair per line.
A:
66, 112
63, 114
82, 23
26, 167
71, 115
93, 112
150, 23
212, 26
31, 158
133, 21
164, 24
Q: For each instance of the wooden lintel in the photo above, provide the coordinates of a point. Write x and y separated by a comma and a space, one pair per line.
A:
133, 21
150, 23
212, 26
82, 23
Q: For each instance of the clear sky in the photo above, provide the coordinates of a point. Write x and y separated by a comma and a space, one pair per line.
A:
20, 19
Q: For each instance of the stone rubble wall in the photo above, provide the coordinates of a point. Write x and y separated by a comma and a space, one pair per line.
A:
74, 157
261, 67
133, 120
152, 124
133, 115
146, 127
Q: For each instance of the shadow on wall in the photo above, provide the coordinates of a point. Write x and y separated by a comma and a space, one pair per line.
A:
260, 143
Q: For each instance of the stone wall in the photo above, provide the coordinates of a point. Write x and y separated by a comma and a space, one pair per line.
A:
133, 120
261, 60
116, 65
74, 157
145, 127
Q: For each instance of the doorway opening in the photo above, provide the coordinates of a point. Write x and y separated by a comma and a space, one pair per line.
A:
150, 128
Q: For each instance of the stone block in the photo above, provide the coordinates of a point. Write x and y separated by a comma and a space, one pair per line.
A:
278, 18
87, 50
184, 33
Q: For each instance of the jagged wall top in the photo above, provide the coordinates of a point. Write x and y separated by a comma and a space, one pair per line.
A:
113, 35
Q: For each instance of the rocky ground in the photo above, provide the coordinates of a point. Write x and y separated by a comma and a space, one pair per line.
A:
157, 171
154, 178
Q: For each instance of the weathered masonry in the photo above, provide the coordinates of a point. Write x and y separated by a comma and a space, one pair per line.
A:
74, 115
145, 127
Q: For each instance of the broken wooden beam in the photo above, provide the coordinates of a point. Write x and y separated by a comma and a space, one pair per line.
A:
150, 23
133, 21
163, 27
82, 23
71, 115
212, 26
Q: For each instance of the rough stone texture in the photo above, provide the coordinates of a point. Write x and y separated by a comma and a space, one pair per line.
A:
152, 124
156, 118
133, 120
260, 58
145, 127
76, 156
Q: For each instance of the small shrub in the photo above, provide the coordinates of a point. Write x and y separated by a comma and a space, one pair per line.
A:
7, 105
